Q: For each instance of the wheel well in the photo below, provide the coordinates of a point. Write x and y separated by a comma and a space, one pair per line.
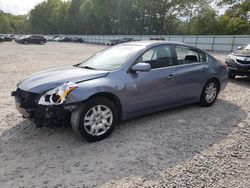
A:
216, 80
113, 98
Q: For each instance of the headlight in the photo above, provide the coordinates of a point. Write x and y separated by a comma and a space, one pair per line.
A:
232, 57
58, 95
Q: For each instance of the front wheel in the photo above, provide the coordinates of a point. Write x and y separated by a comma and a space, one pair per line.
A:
209, 93
95, 119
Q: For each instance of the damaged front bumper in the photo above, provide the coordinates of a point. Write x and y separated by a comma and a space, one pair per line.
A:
42, 116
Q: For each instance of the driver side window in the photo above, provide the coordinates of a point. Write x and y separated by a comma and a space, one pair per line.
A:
158, 57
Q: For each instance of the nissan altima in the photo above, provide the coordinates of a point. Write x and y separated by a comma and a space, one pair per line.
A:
118, 83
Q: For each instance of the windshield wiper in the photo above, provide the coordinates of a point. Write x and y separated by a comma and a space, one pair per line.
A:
88, 67
77, 65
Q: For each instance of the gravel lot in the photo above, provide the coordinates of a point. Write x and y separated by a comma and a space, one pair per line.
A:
184, 147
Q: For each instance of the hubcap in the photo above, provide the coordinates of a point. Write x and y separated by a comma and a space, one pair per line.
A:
98, 120
211, 92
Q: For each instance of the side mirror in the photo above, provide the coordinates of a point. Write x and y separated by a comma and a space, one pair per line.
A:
239, 47
141, 67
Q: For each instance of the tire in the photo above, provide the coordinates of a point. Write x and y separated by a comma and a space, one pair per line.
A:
25, 42
209, 93
86, 124
232, 75
41, 42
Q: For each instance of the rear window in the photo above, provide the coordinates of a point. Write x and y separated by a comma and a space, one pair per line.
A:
186, 55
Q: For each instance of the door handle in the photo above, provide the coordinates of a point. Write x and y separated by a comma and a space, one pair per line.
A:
171, 76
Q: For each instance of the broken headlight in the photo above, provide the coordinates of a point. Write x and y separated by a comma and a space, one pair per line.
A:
58, 95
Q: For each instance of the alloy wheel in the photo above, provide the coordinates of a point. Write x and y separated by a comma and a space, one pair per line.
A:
211, 92
98, 120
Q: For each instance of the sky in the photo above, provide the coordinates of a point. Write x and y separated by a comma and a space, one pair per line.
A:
18, 7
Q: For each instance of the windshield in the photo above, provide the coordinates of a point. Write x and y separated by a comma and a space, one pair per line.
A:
112, 58
247, 47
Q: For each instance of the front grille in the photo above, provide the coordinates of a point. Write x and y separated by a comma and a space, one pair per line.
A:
243, 62
26, 99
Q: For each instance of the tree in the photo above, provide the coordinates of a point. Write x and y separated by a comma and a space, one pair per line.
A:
4, 24
201, 25
229, 2
73, 15
130, 17
48, 17
236, 19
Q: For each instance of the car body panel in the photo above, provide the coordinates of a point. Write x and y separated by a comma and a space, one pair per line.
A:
46, 80
102, 85
146, 90
189, 80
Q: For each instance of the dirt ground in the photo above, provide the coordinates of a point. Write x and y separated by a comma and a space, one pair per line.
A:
188, 146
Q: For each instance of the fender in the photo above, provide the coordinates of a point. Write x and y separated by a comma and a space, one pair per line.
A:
93, 87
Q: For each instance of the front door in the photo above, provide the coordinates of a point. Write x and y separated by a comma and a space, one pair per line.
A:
146, 91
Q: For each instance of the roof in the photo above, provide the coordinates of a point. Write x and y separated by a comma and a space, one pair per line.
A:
147, 43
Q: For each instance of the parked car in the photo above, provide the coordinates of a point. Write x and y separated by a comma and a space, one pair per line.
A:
56, 39
76, 39
63, 39
118, 41
157, 38
35, 39
1, 39
7, 39
126, 40
239, 62
112, 42
17, 37
52, 38
11, 36
121, 82
49, 38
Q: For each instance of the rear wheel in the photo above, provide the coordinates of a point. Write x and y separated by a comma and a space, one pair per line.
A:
95, 119
209, 93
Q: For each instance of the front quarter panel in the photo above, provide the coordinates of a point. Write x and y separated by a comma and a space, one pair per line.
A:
112, 84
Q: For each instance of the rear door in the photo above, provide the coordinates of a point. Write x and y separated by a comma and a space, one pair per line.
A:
192, 71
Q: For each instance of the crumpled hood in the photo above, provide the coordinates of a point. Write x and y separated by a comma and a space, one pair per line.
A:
245, 53
47, 80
